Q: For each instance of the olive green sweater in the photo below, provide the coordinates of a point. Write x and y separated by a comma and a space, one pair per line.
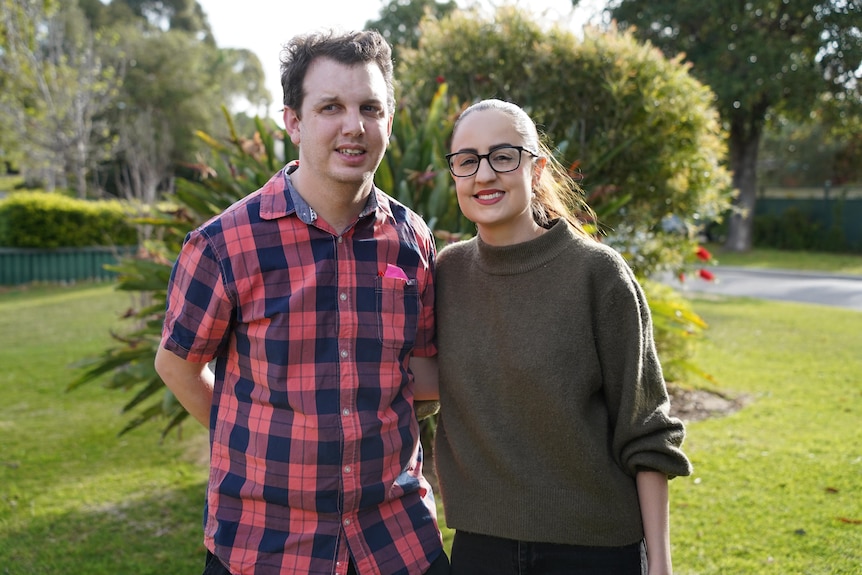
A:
551, 393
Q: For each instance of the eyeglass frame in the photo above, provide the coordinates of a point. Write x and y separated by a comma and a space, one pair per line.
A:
487, 157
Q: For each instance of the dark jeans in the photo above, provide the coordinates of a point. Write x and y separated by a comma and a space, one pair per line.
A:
440, 566
474, 554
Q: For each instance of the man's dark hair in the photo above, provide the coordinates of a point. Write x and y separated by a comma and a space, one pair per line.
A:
346, 48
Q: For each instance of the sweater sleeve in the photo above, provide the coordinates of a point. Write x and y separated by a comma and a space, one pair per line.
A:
644, 434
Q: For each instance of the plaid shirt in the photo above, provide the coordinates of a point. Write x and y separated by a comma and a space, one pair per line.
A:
315, 454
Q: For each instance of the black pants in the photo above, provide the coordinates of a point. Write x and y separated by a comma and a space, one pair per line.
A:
474, 554
440, 566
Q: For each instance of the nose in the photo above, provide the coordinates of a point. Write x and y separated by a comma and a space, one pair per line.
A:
354, 123
485, 173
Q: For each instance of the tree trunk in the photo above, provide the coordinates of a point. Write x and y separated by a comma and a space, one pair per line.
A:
744, 146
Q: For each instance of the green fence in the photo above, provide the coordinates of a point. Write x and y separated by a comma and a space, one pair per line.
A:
830, 208
63, 265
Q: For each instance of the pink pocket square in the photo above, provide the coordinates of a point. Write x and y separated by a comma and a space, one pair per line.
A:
395, 272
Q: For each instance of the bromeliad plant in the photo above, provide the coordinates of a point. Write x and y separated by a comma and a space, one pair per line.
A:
235, 169
414, 170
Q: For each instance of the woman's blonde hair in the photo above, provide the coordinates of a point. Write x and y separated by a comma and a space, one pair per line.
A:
555, 194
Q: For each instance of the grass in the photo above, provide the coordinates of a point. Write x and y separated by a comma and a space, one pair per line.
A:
775, 488
776, 485
75, 498
847, 264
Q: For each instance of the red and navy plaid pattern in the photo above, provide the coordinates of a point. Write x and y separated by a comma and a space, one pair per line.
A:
315, 455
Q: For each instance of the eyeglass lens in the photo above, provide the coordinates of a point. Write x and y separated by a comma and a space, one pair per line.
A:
501, 160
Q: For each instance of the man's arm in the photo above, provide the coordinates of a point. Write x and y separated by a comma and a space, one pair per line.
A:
425, 376
655, 513
191, 383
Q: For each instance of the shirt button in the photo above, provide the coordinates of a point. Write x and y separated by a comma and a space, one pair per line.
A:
343, 353
347, 521
345, 412
347, 469
340, 240
343, 296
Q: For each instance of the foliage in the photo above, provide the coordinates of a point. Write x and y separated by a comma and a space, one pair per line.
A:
633, 123
52, 220
54, 89
769, 56
810, 152
414, 170
108, 96
235, 169
795, 229
677, 329
399, 21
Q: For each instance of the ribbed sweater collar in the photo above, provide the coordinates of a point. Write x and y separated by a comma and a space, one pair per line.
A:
526, 256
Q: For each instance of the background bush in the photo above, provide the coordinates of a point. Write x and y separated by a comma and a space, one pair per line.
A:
632, 123
796, 229
50, 220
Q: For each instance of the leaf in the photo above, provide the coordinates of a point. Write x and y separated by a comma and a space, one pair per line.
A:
850, 521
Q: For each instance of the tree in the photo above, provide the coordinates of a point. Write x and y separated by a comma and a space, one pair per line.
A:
178, 15
81, 78
634, 124
758, 57
55, 89
399, 21
175, 81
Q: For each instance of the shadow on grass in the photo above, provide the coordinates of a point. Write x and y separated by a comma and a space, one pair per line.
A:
155, 535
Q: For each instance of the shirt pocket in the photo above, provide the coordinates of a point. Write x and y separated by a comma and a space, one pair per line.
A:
397, 311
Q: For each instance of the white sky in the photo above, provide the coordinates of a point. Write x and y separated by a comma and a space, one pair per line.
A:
262, 26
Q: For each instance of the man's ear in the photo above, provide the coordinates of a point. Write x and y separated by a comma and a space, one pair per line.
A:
292, 125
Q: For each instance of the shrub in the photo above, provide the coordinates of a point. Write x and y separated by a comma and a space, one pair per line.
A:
796, 229
49, 220
633, 122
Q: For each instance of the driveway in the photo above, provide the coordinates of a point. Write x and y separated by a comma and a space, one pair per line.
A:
817, 288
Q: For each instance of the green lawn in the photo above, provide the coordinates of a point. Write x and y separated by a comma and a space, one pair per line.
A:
75, 498
850, 264
775, 488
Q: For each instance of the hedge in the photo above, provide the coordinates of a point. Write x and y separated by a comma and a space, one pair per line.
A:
52, 220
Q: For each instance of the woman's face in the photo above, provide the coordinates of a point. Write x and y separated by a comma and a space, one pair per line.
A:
498, 203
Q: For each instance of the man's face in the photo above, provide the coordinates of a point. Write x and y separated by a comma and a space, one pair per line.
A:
343, 127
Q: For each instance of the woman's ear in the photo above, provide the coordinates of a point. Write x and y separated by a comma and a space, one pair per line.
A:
538, 167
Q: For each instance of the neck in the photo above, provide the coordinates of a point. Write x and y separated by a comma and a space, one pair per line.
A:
508, 235
336, 203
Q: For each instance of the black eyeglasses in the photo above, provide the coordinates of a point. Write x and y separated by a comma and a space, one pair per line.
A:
503, 159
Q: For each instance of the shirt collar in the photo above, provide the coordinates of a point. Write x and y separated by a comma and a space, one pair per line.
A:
275, 203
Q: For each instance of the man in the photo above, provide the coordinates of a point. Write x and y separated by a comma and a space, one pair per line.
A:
315, 297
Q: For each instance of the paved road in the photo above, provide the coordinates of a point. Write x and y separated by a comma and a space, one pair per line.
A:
817, 288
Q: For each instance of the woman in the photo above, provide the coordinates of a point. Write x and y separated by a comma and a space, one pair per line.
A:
554, 444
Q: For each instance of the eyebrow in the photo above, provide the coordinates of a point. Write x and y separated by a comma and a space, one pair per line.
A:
490, 149
334, 99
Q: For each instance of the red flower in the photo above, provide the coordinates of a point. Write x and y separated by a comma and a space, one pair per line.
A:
681, 277
440, 79
706, 275
703, 254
